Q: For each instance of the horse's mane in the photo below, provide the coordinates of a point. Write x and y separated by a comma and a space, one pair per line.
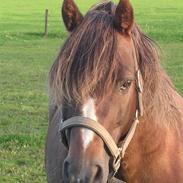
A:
159, 93
86, 58
87, 61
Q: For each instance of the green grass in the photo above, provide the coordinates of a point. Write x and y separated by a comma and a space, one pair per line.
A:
25, 59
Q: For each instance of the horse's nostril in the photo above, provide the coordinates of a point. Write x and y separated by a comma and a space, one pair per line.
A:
98, 175
68, 174
66, 170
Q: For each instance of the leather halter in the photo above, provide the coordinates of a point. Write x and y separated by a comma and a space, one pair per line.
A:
117, 153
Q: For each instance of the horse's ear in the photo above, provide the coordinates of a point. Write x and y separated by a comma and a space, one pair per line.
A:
71, 15
124, 16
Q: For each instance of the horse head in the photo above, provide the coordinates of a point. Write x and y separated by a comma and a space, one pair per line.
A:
101, 88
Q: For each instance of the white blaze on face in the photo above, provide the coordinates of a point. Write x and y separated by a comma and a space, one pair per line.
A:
89, 112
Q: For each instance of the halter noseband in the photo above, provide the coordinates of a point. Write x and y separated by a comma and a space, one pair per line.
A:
116, 152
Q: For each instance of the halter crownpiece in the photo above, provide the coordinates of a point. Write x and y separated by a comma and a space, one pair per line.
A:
139, 92
116, 152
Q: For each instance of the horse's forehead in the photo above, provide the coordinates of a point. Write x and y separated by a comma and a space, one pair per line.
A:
125, 50
124, 42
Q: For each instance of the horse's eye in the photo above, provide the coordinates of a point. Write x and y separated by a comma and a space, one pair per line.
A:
125, 85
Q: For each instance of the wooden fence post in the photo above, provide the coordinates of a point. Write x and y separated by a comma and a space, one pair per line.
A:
46, 23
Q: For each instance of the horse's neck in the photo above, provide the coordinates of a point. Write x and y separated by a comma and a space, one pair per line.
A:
152, 151
149, 138
156, 149
164, 132
179, 102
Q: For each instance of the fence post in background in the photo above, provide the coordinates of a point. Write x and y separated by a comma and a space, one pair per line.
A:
46, 23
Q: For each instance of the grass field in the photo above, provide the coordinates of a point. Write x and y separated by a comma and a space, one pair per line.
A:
25, 59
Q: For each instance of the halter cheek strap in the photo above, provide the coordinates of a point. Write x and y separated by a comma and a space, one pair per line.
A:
139, 85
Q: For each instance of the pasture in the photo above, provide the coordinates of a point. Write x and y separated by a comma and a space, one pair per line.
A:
25, 58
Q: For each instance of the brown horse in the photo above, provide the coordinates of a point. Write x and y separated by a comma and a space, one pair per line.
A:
106, 88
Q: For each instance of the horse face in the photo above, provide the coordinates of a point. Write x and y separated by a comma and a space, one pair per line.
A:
88, 158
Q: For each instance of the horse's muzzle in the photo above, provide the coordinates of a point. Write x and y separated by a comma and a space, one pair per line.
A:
74, 174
